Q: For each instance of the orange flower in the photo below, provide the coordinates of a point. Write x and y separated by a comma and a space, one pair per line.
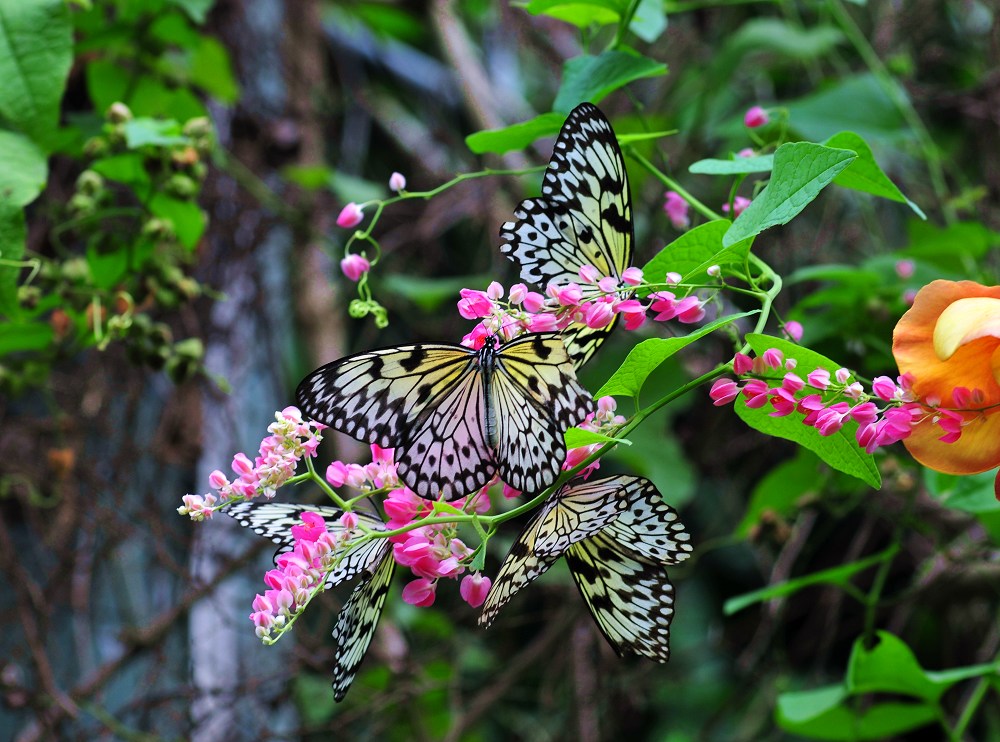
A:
949, 341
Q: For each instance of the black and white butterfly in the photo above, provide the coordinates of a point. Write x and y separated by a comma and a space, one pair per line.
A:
456, 416
584, 216
618, 537
372, 561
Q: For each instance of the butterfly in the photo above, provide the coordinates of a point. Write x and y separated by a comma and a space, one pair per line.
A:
373, 560
584, 216
456, 416
618, 536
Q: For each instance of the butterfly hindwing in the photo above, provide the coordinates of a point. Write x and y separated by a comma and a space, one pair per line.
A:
274, 521
631, 599
584, 217
357, 621
650, 528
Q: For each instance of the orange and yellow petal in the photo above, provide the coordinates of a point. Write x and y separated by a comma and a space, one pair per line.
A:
946, 341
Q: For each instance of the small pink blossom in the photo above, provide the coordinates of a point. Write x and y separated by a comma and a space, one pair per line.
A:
905, 269
793, 330
474, 304
543, 323
608, 285
517, 293
354, 266
773, 358
494, 291
633, 311
350, 216
819, 378
723, 392
755, 116
397, 182
533, 301
690, 310
673, 277
677, 210
589, 274
842, 375
474, 589
509, 492
632, 276
714, 271
742, 364
739, 205
420, 592
598, 315
792, 382
746, 152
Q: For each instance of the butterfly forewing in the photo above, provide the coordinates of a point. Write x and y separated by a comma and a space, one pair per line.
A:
357, 621
274, 521
631, 599
584, 217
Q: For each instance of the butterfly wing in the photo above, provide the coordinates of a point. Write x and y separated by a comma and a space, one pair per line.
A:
577, 511
537, 398
425, 401
649, 528
357, 621
584, 216
631, 599
274, 520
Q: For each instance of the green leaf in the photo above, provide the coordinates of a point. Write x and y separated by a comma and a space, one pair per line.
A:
19, 336
864, 174
589, 78
107, 267
857, 104
889, 667
189, 221
787, 39
834, 576
516, 136
23, 171
734, 166
644, 358
13, 234
429, 293
950, 247
799, 706
127, 167
839, 450
143, 132
842, 723
196, 10
211, 70
581, 13
781, 489
649, 21
576, 437
36, 51
971, 493
694, 251
801, 171
109, 82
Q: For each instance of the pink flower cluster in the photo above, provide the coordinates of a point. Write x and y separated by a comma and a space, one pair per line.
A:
605, 421
827, 401
432, 551
594, 302
301, 572
291, 438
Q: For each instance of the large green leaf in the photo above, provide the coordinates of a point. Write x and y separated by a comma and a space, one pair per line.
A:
859, 104
515, 136
733, 166
864, 174
12, 236
589, 78
823, 714
23, 169
36, 51
645, 357
801, 171
840, 450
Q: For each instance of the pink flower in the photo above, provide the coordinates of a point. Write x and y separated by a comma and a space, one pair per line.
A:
746, 152
677, 210
350, 216
665, 304
792, 382
714, 271
773, 358
783, 402
905, 269
518, 293
474, 589
598, 314
819, 378
742, 364
633, 311
589, 274
793, 330
569, 295
543, 323
756, 392
311, 528
690, 310
420, 592
474, 304
397, 182
673, 277
355, 266
509, 492
739, 204
632, 276
723, 392
533, 301
754, 117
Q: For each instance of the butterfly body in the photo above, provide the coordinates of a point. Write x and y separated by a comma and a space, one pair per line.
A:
457, 416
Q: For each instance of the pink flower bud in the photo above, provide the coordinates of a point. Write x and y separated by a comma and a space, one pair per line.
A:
739, 205
723, 392
419, 592
242, 465
355, 266
494, 291
714, 271
217, 479
632, 276
884, 388
842, 375
589, 274
773, 358
673, 277
336, 474
518, 292
509, 492
793, 330
533, 301
819, 378
350, 216
474, 589
397, 182
474, 304
755, 116
349, 521
608, 285
905, 268
677, 210
543, 323
746, 152
598, 315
